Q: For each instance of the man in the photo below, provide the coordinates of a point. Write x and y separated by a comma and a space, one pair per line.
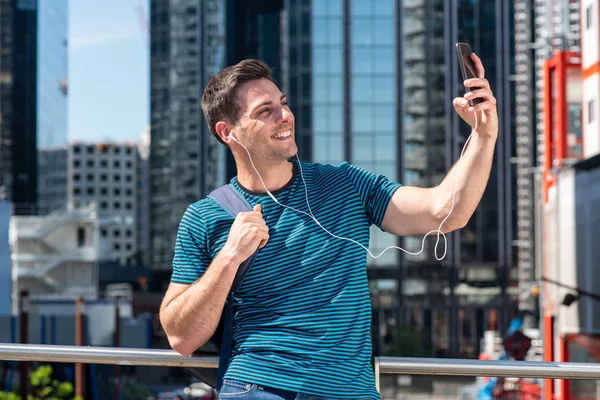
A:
303, 312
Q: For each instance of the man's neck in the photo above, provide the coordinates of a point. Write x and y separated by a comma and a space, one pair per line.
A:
274, 176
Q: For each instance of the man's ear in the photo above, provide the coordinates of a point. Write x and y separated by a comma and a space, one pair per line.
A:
223, 131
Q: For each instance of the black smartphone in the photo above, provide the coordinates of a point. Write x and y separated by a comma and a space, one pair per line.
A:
467, 67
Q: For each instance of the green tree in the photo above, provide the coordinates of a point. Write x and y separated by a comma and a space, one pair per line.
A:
43, 387
407, 343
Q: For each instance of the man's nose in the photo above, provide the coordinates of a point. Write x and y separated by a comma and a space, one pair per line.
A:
284, 114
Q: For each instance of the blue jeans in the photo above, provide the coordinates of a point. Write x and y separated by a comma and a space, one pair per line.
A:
233, 389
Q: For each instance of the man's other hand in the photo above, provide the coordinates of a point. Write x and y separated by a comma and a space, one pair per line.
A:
248, 232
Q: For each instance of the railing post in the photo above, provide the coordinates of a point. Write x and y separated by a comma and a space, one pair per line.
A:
117, 344
79, 341
24, 368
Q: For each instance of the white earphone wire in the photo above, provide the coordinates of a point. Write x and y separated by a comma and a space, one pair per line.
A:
310, 214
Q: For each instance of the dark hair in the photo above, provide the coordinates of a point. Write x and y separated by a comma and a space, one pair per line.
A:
219, 101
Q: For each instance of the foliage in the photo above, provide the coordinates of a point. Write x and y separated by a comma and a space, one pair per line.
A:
132, 391
407, 343
43, 387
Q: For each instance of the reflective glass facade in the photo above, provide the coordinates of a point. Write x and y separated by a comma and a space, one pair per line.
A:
52, 93
190, 42
52, 74
371, 83
384, 74
33, 94
6, 103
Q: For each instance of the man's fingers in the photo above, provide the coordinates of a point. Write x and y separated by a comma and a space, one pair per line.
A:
477, 82
486, 105
478, 65
480, 94
264, 240
258, 208
460, 103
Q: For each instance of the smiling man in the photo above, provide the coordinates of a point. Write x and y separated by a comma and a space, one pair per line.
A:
303, 313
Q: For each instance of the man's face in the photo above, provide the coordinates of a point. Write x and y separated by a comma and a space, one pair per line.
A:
266, 124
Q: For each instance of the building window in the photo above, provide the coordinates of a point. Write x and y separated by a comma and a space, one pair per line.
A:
589, 16
81, 236
117, 192
117, 178
90, 177
117, 205
103, 177
76, 191
90, 163
592, 111
128, 246
103, 232
104, 191
76, 177
128, 164
128, 178
128, 233
90, 191
117, 150
76, 163
128, 192
103, 205
128, 150
117, 246
117, 164
76, 150
104, 163
128, 206
90, 149
116, 233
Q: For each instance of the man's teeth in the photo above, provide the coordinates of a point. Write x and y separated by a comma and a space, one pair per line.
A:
282, 135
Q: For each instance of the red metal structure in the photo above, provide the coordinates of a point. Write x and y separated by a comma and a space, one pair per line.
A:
556, 150
556, 120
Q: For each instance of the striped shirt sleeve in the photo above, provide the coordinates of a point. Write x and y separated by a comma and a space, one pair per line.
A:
191, 258
375, 191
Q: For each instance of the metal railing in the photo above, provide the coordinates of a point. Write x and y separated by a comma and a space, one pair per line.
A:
383, 365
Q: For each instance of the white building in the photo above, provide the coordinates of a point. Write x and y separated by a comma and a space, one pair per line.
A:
106, 174
55, 255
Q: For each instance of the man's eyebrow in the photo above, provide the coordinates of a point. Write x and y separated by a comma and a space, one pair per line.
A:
267, 103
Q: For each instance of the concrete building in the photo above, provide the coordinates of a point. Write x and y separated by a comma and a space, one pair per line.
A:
107, 174
143, 194
55, 256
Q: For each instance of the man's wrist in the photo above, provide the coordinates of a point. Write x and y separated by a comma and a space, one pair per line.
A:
229, 257
490, 137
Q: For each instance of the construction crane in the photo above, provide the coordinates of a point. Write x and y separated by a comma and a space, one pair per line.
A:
142, 19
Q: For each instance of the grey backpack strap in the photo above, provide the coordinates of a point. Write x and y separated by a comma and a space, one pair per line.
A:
234, 203
230, 200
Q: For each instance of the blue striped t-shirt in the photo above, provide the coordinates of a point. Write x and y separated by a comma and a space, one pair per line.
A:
303, 312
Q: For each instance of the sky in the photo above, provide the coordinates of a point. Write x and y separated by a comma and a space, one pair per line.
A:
108, 70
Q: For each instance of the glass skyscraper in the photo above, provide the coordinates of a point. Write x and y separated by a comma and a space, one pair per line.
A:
371, 83
33, 64
384, 74
190, 42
